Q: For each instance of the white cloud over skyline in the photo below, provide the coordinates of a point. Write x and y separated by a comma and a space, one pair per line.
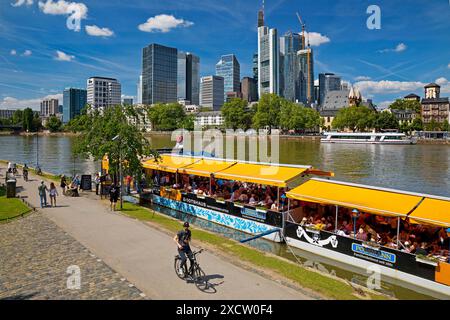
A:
163, 23
316, 39
14, 103
387, 86
96, 31
61, 56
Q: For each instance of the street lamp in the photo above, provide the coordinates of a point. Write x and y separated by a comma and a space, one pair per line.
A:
120, 169
37, 151
355, 215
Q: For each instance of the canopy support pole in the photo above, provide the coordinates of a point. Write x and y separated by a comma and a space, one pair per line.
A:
336, 221
398, 233
210, 187
278, 197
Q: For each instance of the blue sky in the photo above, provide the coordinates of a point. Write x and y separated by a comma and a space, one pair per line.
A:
40, 55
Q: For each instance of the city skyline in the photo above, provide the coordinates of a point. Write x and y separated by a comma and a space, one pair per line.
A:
385, 64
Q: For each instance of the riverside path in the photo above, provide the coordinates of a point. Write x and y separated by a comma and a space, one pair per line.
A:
144, 255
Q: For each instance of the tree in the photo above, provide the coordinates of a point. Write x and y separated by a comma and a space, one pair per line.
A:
385, 120
417, 124
17, 117
27, 120
237, 115
446, 126
402, 104
354, 118
96, 140
54, 124
167, 117
267, 112
297, 117
432, 126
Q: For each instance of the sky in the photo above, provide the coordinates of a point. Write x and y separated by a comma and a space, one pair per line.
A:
49, 45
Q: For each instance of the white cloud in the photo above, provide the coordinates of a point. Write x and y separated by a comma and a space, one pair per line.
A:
384, 105
14, 103
362, 78
98, 32
316, 39
399, 48
163, 23
61, 56
448, 66
444, 83
27, 53
13, 52
76, 11
387, 86
22, 2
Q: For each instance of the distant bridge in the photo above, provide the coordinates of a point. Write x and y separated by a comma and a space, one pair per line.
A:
13, 127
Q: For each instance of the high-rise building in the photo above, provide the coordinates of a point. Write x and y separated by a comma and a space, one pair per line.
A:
127, 101
249, 89
139, 91
103, 92
328, 82
229, 69
49, 107
434, 107
255, 66
290, 44
188, 79
212, 92
159, 74
268, 61
305, 85
261, 16
74, 100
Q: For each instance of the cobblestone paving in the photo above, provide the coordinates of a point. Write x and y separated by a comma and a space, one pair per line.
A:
34, 258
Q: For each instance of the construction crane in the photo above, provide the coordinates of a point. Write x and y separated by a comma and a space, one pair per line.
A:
303, 30
308, 55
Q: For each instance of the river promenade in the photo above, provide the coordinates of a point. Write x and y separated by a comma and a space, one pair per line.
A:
128, 248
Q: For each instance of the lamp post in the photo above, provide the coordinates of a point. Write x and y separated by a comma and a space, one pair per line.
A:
37, 151
355, 215
120, 169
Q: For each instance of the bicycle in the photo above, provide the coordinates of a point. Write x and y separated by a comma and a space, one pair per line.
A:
195, 273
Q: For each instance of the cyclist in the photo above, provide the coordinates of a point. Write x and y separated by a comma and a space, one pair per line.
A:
25, 172
183, 239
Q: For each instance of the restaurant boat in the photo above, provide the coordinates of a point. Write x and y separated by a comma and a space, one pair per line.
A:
301, 196
367, 138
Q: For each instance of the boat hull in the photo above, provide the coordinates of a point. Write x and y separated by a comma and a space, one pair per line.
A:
402, 142
231, 221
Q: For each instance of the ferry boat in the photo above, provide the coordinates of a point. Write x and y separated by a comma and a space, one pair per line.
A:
367, 138
300, 195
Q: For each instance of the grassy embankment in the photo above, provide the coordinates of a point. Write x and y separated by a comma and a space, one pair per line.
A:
326, 286
11, 208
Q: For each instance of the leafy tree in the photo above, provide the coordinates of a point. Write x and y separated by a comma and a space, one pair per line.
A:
417, 124
17, 117
446, 126
96, 139
237, 115
403, 104
354, 118
54, 124
27, 120
167, 117
385, 120
432, 126
297, 117
268, 112
405, 127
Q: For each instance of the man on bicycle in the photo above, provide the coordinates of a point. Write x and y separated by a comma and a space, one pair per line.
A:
25, 172
182, 239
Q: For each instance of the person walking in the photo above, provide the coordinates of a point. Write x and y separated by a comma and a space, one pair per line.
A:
113, 196
25, 173
53, 193
97, 182
43, 194
63, 184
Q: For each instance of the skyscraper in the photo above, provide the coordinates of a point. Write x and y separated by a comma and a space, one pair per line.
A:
261, 16
188, 79
229, 68
212, 92
103, 92
255, 66
249, 90
139, 91
290, 44
305, 86
268, 61
159, 74
74, 100
49, 107
328, 82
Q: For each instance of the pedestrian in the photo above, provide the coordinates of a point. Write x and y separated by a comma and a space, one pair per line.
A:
97, 183
9, 167
129, 179
76, 182
53, 193
113, 196
63, 184
25, 172
43, 194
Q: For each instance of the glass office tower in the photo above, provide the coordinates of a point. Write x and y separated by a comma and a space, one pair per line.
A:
229, 68
74, 100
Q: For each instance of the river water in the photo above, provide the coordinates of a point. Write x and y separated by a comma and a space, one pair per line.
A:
417, 168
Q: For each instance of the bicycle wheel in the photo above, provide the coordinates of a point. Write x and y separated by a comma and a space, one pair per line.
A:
177, 265
200, 279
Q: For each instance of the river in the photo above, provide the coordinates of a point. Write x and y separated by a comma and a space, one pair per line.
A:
416, 168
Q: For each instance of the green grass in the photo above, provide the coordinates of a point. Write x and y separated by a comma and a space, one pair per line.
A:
45, 175
11, 208
324, 285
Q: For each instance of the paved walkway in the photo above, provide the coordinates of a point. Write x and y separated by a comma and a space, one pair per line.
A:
145, 255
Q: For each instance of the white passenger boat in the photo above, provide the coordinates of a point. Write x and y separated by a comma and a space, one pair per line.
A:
367, 138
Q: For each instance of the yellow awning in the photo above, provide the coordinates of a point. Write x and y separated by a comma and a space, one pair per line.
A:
277, 176
170, 163
206, 167
366, 199
432, 211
